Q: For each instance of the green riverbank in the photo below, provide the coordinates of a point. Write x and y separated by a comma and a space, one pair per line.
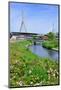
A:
27, 69
50, 45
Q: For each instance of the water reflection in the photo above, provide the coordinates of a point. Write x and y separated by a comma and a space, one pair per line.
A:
43, 52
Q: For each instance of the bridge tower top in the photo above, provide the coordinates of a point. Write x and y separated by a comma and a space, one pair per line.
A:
22, 22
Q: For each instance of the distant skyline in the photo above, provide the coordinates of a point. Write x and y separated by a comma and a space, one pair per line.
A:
38, 18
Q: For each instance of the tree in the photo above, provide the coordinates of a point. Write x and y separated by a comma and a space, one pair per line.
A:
51, 36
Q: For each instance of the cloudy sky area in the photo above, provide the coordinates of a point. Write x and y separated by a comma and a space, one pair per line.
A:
38, 18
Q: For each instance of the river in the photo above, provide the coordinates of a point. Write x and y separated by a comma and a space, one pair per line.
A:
43, 52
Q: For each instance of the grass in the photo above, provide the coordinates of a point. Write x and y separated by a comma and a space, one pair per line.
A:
50, 44
27, 69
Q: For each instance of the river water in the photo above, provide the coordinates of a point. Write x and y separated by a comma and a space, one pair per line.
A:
43, 52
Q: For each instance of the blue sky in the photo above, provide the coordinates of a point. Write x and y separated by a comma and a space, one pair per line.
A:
38, 18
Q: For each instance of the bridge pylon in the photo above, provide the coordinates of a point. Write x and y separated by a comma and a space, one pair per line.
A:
23, 23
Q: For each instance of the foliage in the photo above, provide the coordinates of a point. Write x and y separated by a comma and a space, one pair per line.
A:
51, 36
52, 42
27, 69
34, 37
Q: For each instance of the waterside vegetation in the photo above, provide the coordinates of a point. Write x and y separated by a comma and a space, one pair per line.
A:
51, 43
28, 69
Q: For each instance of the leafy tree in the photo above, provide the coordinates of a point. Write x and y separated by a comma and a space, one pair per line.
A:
51, 36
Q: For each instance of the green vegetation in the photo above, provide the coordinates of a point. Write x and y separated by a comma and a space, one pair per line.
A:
52, 42
27, 69
34, 37
51, 36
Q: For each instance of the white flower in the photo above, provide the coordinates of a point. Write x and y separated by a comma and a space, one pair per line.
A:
30, 71
31, 83
53, 74
20, 83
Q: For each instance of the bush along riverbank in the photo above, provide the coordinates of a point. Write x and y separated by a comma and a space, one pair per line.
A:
51, 43
27, 69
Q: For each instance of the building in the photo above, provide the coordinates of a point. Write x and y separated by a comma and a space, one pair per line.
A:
44, 37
